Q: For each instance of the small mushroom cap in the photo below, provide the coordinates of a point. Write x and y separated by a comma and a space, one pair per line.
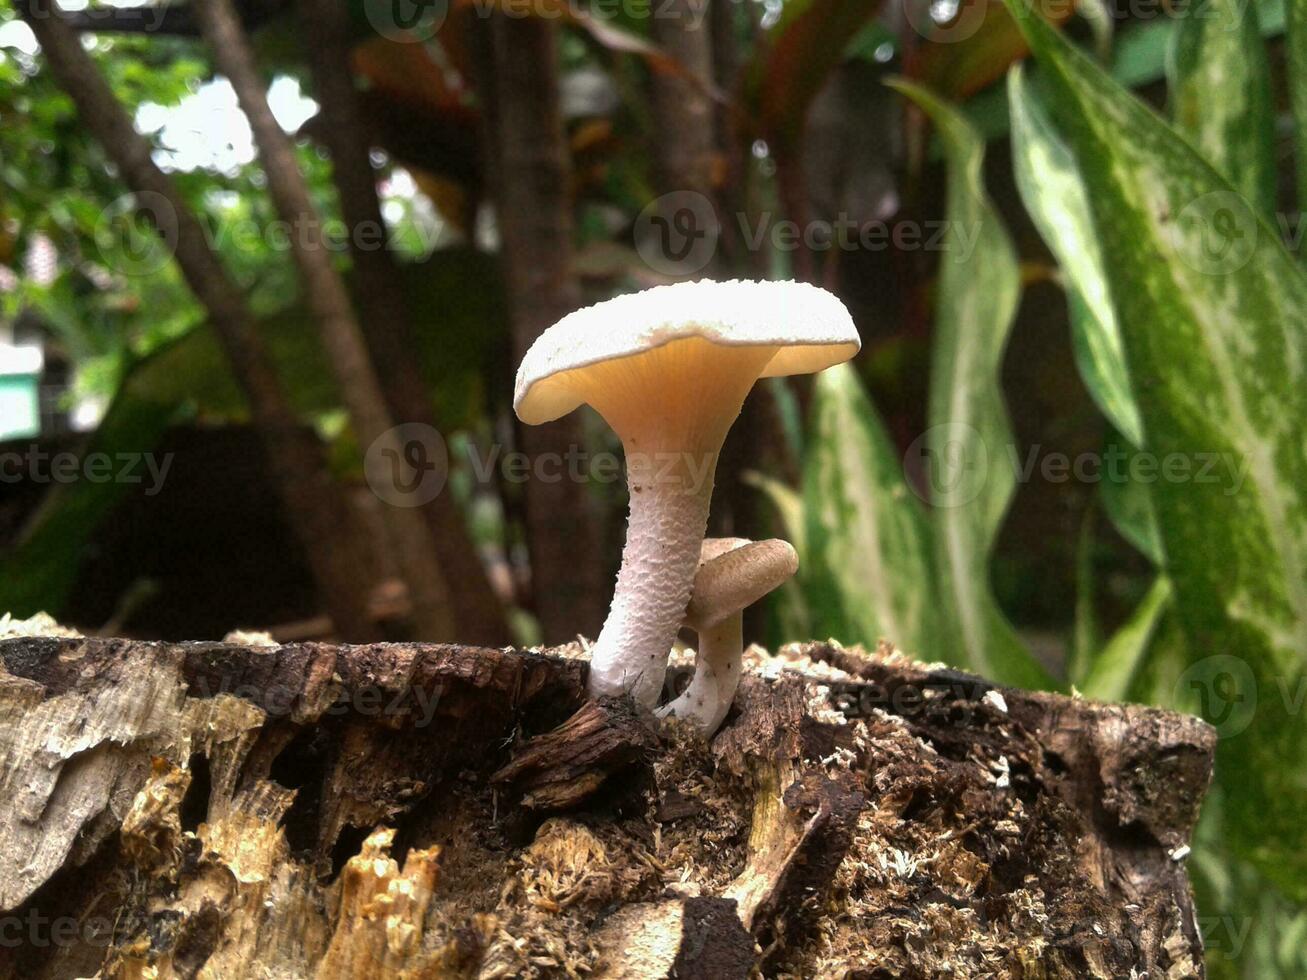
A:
809, 328
735, 573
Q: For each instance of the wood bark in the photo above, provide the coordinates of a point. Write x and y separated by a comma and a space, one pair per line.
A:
387, 461
386, 317
531, 176
223, 810
685, 146
313, 504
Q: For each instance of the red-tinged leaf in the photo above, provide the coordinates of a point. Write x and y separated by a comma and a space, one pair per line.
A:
975, 48
408, 72
787, 73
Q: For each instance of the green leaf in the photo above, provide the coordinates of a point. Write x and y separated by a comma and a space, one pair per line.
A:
969, 440
1053, 192
1139, 57
790, 617
1295, 28
867, 571
1114, 668
788, 505
1213, 312
1128, 502
1085, 636
1221, 95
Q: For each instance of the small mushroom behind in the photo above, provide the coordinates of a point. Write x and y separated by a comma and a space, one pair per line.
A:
733, 574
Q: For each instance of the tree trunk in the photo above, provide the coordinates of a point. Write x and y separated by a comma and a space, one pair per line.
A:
531, 174
387, 462
478, 612
219, 810
685, 149
313, 504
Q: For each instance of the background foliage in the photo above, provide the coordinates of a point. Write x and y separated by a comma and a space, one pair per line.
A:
1119, 278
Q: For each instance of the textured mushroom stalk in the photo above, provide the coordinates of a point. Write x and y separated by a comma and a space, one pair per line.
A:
672, 407
733, 574
663, 533
717, 666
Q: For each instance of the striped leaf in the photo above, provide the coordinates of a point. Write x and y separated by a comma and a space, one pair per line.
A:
969, 442
1054, 194
1295, 31
1213, 315
867, 543
1221, 95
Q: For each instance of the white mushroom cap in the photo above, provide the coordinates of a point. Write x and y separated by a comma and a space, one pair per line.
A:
733, 574
806, 329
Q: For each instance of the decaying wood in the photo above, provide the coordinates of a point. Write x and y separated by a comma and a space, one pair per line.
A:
228, 810
561, 768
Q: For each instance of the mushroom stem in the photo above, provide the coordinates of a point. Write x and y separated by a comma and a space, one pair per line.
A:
666, 525
717, 667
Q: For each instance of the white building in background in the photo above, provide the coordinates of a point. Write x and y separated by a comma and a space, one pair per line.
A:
36, 381
20, 388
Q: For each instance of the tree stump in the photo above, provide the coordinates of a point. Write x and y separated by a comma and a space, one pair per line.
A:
230, 811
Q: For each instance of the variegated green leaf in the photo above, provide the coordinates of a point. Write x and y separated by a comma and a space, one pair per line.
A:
969, 439
1221, 95
1114, 668
1129, 503
1213, 313
868, 570
1295, 36
791, 617
1054, 194
788, 505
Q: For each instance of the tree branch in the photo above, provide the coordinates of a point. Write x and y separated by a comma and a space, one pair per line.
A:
533, 206
479, 615
387, 461
312, 502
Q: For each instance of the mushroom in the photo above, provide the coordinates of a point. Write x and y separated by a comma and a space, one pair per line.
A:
668, 369
733, 574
